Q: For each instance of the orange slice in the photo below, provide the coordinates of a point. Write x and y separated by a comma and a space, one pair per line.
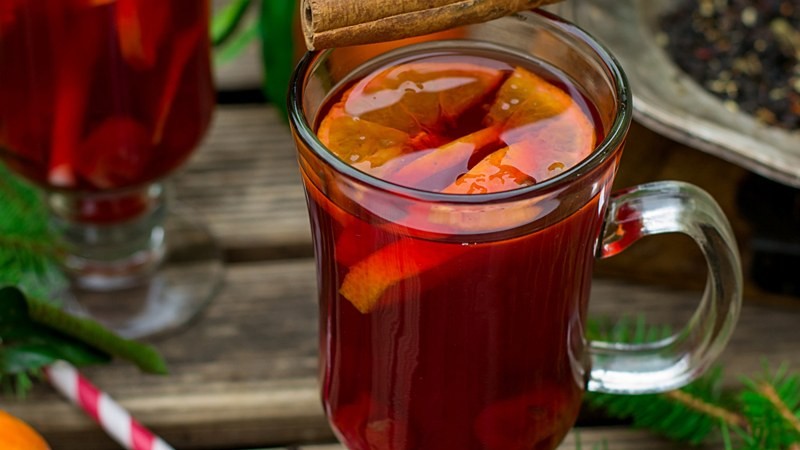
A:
432, 169
370, 278
421, 96
541, 151
549, 147
359, 142
526, 98
140, 29
400, 110
492, 174
546, 133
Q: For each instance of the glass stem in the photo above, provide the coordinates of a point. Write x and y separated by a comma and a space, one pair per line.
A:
111, 241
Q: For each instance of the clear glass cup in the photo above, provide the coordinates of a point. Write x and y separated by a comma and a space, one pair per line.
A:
477, 338
99, 102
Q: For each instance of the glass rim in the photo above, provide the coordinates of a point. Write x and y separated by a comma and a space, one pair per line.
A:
602, 151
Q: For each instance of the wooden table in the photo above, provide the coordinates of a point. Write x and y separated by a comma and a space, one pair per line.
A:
243, 375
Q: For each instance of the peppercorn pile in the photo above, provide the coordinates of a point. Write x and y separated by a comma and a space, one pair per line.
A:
747, 52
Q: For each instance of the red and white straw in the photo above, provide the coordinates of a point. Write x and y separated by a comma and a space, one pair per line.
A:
114, 419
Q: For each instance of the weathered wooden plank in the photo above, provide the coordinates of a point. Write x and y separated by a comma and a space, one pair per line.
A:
244, 374
617, 438
244, 183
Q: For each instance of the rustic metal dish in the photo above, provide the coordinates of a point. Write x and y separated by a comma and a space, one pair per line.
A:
670, 102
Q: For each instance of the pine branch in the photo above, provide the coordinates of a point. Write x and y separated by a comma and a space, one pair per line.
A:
764, 416
28, 249
706, 408
768, 392
772, 405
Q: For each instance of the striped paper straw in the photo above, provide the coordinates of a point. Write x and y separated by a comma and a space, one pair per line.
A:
98, 405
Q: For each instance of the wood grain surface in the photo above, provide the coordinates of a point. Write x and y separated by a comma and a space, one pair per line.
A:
590, 439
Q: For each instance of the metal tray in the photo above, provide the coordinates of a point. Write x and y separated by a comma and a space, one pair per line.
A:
671, 103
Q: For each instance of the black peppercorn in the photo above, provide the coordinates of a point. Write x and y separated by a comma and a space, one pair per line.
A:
745, 52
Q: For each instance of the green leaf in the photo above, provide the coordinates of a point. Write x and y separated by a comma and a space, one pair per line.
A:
38, 325
13, 308
277, 49
22, 340
234, 47
18, 359
227, 20
28, 248
92, 333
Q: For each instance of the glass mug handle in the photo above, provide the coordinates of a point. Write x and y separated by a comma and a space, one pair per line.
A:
668, 207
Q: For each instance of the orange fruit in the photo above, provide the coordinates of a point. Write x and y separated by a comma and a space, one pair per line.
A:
491, 174
546, 133
367, 280
526, 98
446, 162
359, 142
18, 435
400, 110
422, 96
552, 145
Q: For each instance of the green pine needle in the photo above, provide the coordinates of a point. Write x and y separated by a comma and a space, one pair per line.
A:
28, 249
227, 20
771, 404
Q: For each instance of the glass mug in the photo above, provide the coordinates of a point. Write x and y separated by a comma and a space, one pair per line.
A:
478, 340
99, 102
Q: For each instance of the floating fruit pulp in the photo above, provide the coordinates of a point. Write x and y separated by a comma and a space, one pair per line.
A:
102, 95
441, 343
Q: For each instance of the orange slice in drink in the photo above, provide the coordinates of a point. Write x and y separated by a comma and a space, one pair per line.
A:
446, 162
546, 132
491, 174
540, 151
401, 109
140, 30
368, 280
359, 142
552, 146
526, 98
420, 97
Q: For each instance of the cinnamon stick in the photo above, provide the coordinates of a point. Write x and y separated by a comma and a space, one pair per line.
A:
338, 23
